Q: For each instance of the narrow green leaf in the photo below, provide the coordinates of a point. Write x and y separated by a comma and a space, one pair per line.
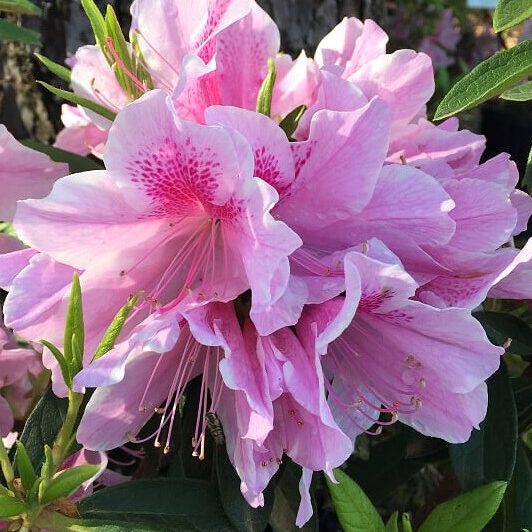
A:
9, 31
469, 512
60, 71
48, 466
391, 525
25, 467
113, 331
509, 13
355, 511
122, 62
264, 100
65, 370
76, 163
96, 20
21, 7
490, 453
490, 78
68, 481
405, 521
79, 100
290, 122
519, 93
74, 328
11, 507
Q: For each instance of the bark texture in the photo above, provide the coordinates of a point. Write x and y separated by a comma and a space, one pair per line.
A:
29, 110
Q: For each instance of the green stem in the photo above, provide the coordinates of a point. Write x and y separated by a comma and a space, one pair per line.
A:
65, 437
5, 465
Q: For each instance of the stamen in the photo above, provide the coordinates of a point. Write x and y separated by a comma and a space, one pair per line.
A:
136, 81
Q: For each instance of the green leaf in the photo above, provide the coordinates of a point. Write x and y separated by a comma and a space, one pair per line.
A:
509, 13
9, 31
391, 525
21, 7
79, 100
76, 163
242, 516
74, 328
522, 388
60, 71
178, 504
468, 512
519, 93
264, 100
290, 122
68, 481
501, 326
113, 331
405, 521
11, 507
42, 427
287, 499
25, 467
65, 370
490, 78
355, 511
59, 523
490, 452
97, 21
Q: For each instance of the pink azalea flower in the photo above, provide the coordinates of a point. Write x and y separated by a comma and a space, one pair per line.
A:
80, 135
388, 357
24, 173
220, 47
356, 52
177, 215
488, 212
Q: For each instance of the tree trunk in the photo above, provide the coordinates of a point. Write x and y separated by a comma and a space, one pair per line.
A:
27, 109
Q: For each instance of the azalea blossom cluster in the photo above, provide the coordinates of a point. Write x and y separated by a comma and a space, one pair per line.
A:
316, 265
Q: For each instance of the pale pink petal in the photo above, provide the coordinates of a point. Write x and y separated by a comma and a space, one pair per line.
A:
243, 50
93, 78
522, 203
305, 510
296, 83
170, 29
24, 173
274, 162
344, 148
484, 216
114, 415
403, 79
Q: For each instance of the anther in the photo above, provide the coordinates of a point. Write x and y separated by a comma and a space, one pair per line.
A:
264, 464
122, 273
292, 412
131, 437
365, 248
403, 159
157, 444
422, 383
507, 343
158, 410
142, 408
166, 449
